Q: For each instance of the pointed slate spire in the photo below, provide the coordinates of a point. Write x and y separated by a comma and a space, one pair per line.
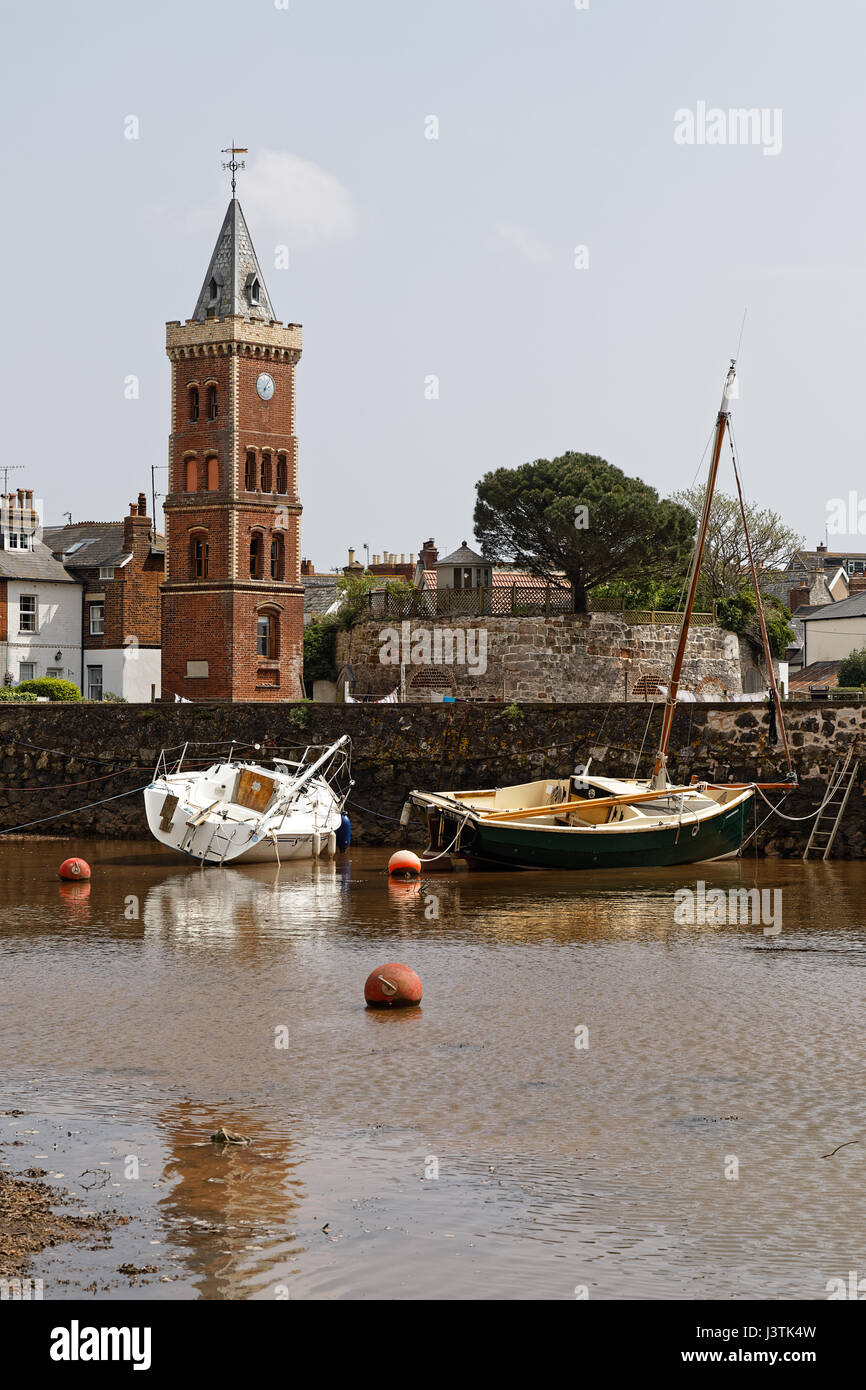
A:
234, 283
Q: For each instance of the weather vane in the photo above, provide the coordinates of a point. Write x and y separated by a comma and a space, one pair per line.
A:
234, 164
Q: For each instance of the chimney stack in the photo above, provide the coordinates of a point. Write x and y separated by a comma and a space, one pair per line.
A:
798, 596
136, 528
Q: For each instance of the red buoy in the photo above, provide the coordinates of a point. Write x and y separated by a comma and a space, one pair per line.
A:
392, 986
404, 864
74, 869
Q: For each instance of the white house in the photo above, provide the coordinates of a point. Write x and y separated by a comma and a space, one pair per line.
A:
40, 603
834, 631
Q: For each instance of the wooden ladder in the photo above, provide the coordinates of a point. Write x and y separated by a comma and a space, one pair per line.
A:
821, 841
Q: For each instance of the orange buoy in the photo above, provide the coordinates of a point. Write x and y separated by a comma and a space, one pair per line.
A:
74, 869
392, 986
404, 864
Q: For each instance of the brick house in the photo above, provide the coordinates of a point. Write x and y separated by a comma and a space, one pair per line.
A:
120, 566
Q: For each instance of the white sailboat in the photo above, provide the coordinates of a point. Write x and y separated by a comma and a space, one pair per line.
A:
240, 812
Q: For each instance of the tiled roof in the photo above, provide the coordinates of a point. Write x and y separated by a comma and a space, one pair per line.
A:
320, 592
233, 268
34, 564
854, 607
462, 556
95, 543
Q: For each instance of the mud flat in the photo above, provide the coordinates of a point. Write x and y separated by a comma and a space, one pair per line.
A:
30, 1224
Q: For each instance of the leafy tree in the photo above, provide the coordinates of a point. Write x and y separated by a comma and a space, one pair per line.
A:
852, 671
582, 517
739, 614
667, 594
355, 590
320, 638
726, 557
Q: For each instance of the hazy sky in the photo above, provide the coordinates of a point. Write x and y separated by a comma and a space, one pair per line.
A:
453, 257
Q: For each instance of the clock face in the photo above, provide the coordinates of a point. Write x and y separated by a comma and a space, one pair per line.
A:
265, 385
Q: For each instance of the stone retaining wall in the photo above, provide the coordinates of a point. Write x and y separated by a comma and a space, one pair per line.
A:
566, 658
58, 758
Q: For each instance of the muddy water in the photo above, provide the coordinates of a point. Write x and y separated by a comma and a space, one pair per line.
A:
139, 1015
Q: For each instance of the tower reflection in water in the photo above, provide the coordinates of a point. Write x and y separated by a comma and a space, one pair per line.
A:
229, 1211
230, 1208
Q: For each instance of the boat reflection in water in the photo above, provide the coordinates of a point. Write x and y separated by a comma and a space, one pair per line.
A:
214, 905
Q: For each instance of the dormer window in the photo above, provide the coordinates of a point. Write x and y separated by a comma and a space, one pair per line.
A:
16, 540
213, 293
253, 288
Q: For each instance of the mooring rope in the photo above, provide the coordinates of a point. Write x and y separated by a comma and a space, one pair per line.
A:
431, 858
812, 814
73, 811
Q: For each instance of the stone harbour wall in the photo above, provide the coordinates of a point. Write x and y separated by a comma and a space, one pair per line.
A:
573, 657
57, 760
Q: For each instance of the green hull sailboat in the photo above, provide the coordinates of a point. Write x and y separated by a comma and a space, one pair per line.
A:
594, 822
606, 823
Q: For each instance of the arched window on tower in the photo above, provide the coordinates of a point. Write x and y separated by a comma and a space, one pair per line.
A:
213, 473
193, 403
199, 555
266, 472
277, 558
257, 556
282, 473
212, 403
250, 471
190, 482
268, 635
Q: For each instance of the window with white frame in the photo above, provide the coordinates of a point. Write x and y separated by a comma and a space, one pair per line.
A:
106, 571
97, 619
27, 613
27, 670
94, 682
54, 673
15, 540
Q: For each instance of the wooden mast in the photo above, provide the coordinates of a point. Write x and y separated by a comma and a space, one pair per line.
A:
659, 777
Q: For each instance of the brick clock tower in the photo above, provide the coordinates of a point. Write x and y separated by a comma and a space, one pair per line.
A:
233, 604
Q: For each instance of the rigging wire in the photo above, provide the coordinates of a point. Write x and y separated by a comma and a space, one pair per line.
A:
776, 702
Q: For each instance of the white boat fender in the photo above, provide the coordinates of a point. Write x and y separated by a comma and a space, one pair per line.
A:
406, 813
317, 844
332, 844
